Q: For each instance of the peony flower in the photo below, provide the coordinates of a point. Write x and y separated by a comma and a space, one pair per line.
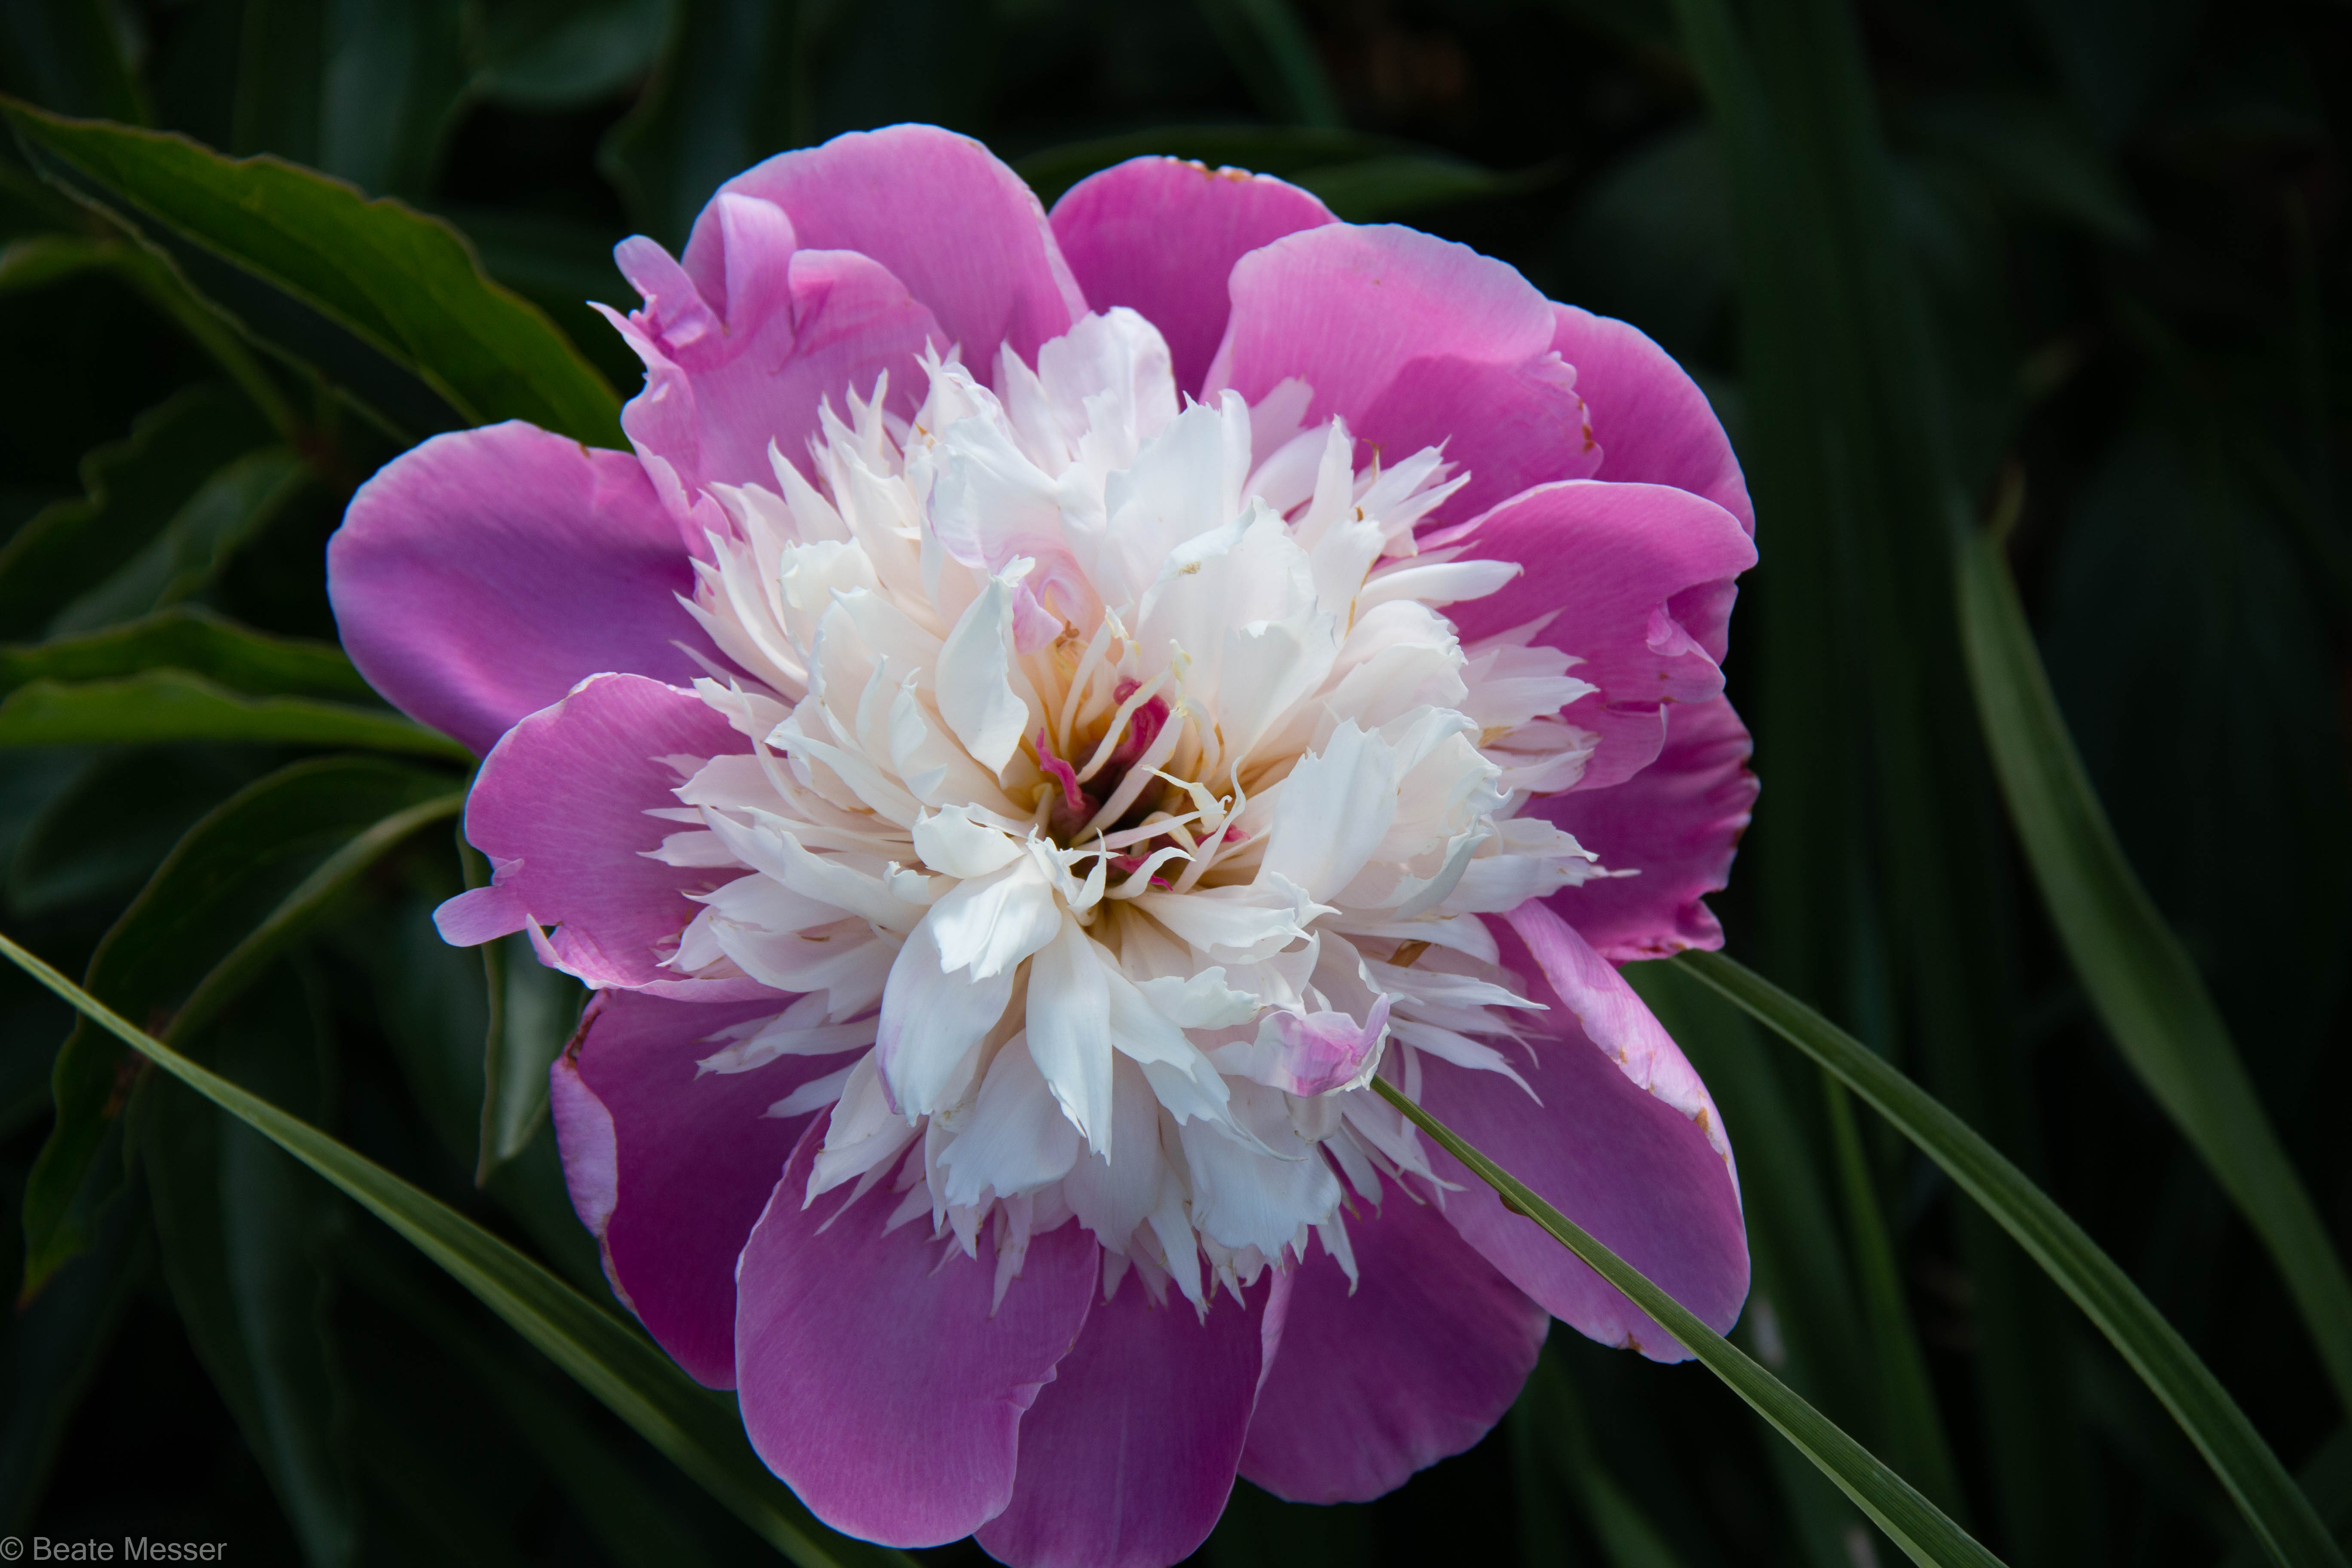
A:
1049, 710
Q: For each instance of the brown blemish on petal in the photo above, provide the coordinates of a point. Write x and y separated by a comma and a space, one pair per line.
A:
1406, 952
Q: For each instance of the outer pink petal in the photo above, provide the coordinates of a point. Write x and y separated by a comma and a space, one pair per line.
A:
671, 1166
1418, 1363
559, 808
1656, 425
1415, 342
874, 1376
1613, 563
1677, 822
1625, 1143
1129, 1456
480, 576
727, 374
936, 209
1161, 236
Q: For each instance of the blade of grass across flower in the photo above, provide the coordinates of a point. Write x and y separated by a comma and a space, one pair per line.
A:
2279, 1513
1920, 1528
696, 1431
2142, 981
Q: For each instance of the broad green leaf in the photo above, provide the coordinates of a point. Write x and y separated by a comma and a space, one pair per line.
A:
50, 1349
731, 87
227, 512
561, 264
698, 1430
243, 1228
386, 301
247, 881
1914, 1524
191, 639
2279, 1513
1271, 48
2145, 986
552, 54
533, 1010
2326, 1480
133, 488
172, 705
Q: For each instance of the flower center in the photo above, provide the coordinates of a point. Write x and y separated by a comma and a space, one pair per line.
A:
1108, 760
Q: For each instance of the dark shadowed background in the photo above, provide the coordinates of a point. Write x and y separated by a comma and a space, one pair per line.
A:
2086, 255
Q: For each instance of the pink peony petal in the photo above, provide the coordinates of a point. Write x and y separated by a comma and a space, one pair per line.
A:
480, 576
564, 796
1677, 822
1161, 236
1609, 563
1415, 341
1625, 1144
1656, 425
799, 327
874, 1375
937, 211
1129, 1455
670, 1166
1417, 1363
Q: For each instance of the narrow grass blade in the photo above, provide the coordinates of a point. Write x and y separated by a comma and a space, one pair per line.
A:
2147, 989
1914, 1524
2278, 1512
697, 1432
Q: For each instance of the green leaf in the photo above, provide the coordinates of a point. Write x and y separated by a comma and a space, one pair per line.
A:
133, 488
171, 705
2279, 1513
554, 53
246, 883
533, 1010
2146, 987
731, 87
698, 1430
231, 509
380, 299
243, 1228
1271, 48
1914, 1524
191, 639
